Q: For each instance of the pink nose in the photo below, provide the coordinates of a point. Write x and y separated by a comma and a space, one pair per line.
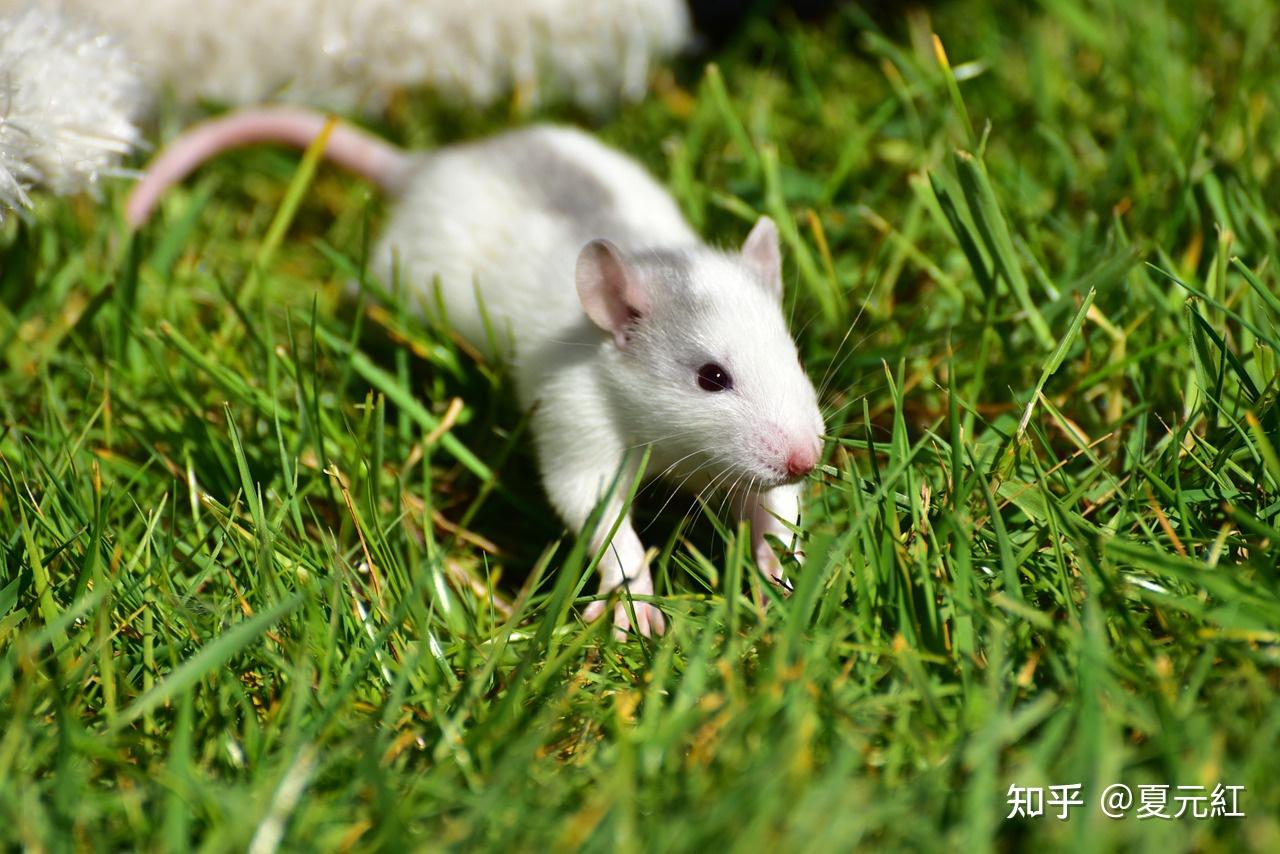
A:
801, 461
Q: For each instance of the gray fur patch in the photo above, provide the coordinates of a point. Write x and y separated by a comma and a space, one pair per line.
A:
671, 266
562, 186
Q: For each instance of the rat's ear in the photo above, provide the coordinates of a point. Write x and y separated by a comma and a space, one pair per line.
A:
611, 294
762, 254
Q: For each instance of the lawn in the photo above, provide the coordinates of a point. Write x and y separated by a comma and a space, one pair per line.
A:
276, 569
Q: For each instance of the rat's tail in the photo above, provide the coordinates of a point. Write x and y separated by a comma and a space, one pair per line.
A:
362, 153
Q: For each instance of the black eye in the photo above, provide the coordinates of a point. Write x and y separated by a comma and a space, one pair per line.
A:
712, 377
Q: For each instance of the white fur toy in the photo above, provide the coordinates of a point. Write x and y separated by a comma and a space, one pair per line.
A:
622, 327
67, 100
343, 54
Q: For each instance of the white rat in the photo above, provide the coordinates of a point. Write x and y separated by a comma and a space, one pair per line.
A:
624, 328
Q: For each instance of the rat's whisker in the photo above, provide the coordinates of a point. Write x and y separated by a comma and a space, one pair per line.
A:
833, 370
667, 438
728, 495
829, 415
685, 480
657, 478
853, 325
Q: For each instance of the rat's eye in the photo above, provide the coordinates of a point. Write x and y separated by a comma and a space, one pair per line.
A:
712, 377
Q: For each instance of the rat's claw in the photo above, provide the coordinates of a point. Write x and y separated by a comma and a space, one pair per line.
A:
771, 569
649, 620
659, 622
593, 611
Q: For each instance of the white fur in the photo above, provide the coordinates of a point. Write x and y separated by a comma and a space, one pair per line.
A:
68, 96
492, 241
606, 306
343, 54
469, 223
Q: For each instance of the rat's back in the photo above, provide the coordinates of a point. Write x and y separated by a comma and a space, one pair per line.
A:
501, 221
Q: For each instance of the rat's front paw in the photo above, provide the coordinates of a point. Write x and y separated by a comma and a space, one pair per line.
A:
771, 567
649, 620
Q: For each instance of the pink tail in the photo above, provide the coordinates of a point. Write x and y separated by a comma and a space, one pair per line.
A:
362, 153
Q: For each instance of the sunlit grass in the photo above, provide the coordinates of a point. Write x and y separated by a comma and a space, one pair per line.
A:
276, 567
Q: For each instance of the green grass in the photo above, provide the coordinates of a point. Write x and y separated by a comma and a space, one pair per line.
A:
264, 581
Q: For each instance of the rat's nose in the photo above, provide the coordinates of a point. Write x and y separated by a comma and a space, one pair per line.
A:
801, 460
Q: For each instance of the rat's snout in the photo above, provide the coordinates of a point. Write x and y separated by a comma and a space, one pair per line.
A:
789, 455
792, 456
801, 460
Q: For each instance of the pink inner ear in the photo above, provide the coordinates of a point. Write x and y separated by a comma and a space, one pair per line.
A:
762, 252
610, 293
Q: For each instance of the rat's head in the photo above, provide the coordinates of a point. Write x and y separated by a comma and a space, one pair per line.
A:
701, 364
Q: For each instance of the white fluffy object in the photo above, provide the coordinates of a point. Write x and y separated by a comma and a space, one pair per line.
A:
348, 54
67, 99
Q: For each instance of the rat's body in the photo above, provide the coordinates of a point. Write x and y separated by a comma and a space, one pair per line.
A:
619, 324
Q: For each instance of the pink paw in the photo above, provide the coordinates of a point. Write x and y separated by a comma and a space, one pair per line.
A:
771, 568
649, 620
